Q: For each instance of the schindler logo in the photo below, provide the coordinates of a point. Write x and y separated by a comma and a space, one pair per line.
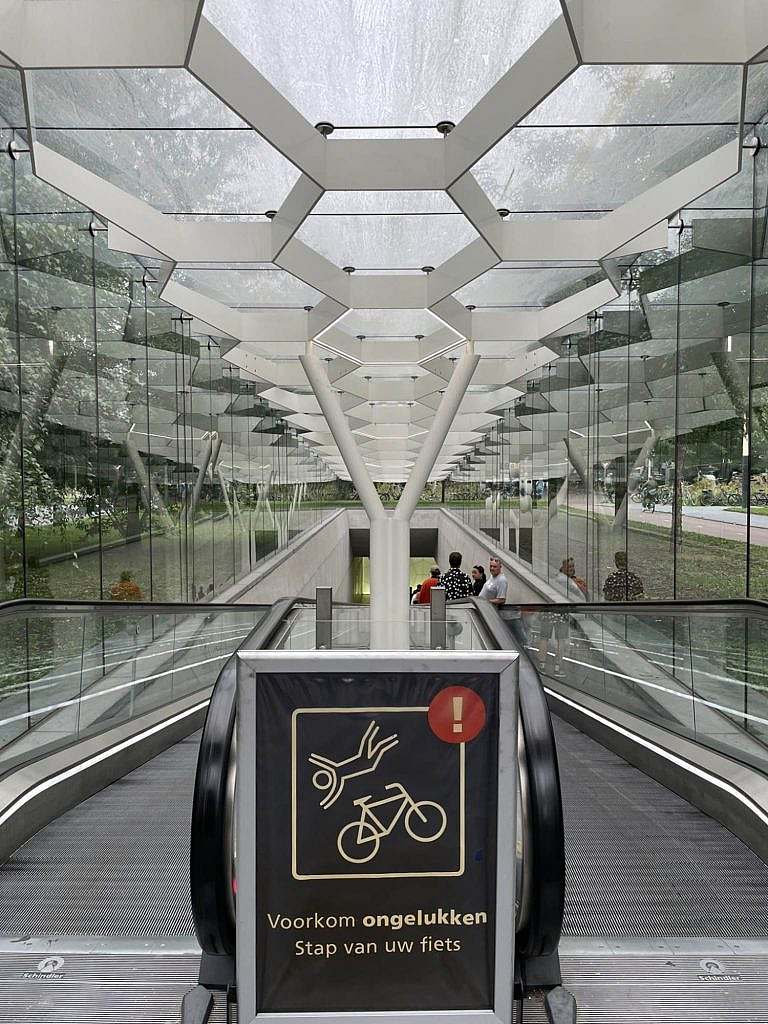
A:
48, 969
716, 972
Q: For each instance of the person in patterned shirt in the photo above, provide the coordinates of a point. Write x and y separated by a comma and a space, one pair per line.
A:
622, 585
457, 584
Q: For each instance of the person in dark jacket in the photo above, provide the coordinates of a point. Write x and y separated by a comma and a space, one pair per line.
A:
478, 579
457, 584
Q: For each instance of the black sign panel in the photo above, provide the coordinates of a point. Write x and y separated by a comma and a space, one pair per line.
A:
376, 811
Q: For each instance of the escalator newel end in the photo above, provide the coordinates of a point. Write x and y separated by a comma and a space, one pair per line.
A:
197, 1006
560, 1006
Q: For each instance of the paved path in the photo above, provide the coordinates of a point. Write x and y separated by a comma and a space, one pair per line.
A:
708, 520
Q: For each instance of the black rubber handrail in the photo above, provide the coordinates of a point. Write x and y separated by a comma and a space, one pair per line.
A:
747, 606
44, 605
546, 858
209, 875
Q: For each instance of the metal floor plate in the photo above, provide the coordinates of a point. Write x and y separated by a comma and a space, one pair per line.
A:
117, 864
641, 861
702, 982
705, 984
69, 983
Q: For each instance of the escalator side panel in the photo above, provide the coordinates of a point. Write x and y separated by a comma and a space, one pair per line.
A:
211, 844
540, 936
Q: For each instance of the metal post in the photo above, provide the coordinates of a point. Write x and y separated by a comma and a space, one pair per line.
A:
437, 619
323, 618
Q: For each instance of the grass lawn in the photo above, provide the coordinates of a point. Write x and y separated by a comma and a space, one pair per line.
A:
702, 567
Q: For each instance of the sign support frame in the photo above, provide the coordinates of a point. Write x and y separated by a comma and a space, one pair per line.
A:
452, 664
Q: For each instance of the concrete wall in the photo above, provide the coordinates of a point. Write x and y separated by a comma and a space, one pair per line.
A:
476, 549
321, 557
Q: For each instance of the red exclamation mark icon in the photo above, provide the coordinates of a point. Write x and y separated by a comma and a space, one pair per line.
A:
456, 714
458, 705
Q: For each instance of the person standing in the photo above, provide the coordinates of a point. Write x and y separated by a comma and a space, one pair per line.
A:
556, 625
567, 577
623, 585
478, 579
457, 584
495, 588
425, 591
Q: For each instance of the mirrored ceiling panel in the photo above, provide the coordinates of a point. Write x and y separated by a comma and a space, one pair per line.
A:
606, 94
387, 242
389, 323
525, 286
183, 172
383, 62
403, 202
125, 98
249, 287
590, 169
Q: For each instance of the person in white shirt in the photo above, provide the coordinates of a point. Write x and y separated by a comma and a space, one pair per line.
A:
495, 587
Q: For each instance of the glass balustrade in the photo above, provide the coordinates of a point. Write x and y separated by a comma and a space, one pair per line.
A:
700, 671
72, 671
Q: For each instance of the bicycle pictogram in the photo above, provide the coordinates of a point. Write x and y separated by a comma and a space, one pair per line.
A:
424, 821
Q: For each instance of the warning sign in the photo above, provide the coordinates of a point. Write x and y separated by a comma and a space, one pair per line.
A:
377, 814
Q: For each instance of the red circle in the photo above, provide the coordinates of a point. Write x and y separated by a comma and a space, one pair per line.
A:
456, 714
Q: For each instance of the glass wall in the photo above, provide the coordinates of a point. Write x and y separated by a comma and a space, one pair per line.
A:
645, 442
135, 462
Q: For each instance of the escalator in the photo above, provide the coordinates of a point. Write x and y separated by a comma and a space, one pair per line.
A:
641, 878
96, 916
664, 797
540, 870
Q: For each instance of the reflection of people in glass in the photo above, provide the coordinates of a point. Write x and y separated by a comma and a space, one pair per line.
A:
333, 774
556, 624
649, 493
622, 585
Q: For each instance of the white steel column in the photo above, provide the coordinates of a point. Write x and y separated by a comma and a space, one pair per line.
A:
390, 535
634, 477
342, 435
202, 473
435, 439
390, 555
390, 540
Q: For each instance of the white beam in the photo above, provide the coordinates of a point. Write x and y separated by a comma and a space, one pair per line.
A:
229, 75
342, 434
379, 164
98, 34
531, 78
295, 209
660, 32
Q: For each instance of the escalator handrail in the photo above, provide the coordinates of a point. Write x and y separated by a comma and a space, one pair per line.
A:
711, 606
42, 605
209, 877
546, 858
